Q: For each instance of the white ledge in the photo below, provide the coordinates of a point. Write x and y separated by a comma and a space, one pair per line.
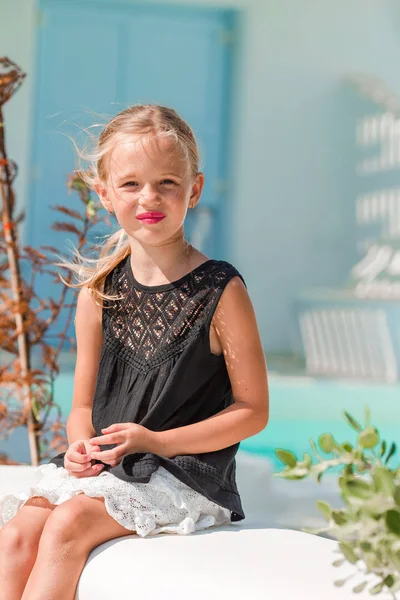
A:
247, 560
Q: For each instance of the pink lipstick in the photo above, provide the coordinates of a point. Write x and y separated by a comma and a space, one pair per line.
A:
151, 217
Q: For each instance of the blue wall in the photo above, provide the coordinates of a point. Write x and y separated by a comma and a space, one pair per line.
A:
292, 182
296, 184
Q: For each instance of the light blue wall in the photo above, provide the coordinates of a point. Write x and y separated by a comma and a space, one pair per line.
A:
295, 187
292, 178
17, 39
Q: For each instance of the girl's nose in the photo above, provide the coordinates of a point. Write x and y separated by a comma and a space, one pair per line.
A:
150, 193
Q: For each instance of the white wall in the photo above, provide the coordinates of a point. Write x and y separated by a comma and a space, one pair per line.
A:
293, 171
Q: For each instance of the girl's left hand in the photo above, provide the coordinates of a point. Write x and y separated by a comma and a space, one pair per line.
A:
130, 438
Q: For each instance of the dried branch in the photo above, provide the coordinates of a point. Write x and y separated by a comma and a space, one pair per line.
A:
27, 321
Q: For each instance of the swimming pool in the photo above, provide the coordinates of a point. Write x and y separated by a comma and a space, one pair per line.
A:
303, 408
300, 408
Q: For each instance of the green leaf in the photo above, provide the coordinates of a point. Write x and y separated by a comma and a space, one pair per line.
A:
376, 589
371, 561
338, 563
314, 530
347, 447
369, 438
392, 450
374, 509
383, 448
392, 520
352, 422
295, 474
313, 446
359, 489
342, 481
396, 495
326, 442
383, 480
286, 457
325, 509
339, 517
348, 552
389, 581
360, 587
395, 559
365, 546
348, 470
35, 409
307, 460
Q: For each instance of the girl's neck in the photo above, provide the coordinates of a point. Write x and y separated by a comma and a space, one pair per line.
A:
158, 265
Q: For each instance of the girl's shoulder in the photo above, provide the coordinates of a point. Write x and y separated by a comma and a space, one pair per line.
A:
223, 271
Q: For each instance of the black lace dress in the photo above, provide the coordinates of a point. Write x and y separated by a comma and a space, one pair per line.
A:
156, 369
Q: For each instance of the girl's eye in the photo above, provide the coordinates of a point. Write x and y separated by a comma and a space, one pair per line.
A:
130, 184
168, 181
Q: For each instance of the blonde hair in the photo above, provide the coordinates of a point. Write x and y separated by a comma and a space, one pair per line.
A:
146, 119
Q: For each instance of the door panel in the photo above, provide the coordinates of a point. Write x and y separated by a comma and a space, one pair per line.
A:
96, 59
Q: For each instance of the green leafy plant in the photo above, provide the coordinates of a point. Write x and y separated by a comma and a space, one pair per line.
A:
368, 525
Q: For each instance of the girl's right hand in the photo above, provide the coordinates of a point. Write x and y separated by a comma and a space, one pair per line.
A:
77, 459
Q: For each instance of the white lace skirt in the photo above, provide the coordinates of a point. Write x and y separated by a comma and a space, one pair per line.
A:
164, 504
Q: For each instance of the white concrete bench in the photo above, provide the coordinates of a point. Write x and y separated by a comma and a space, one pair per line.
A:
247, 560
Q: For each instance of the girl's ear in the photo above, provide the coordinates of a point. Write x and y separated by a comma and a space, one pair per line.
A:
197, 188
101, 191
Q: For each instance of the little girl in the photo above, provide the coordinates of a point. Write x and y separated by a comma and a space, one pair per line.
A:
170, 374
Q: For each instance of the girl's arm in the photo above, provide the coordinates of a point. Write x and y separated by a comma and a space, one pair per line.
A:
89, 341
235, 324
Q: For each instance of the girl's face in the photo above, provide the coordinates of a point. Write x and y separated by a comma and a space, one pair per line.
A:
147, 177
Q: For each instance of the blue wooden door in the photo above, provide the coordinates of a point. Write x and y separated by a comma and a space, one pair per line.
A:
97, 58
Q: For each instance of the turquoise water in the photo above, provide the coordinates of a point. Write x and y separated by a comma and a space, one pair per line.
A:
303, 407
300, 408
